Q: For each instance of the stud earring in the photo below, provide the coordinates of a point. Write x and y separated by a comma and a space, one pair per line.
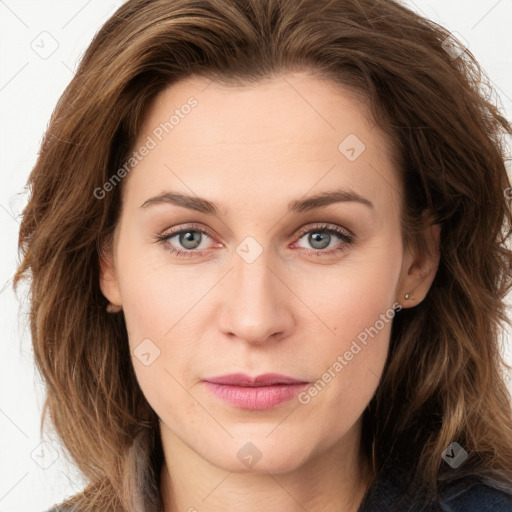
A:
407, 296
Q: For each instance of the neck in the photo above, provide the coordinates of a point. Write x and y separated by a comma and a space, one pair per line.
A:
334, 479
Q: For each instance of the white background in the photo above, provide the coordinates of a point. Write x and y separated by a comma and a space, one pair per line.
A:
29, 89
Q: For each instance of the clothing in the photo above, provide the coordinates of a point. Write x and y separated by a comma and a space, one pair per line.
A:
468, 494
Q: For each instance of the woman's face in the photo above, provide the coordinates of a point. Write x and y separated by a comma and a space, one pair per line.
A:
267, 281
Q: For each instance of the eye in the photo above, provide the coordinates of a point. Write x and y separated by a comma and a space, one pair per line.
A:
321, 236
189, 237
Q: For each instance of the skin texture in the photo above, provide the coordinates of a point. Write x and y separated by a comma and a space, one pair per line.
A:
252, 150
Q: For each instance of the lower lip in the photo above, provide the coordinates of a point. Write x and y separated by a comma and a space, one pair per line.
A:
255, 398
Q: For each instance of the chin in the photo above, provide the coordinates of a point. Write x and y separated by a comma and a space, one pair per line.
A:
259, 455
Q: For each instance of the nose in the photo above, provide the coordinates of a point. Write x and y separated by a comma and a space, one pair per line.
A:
256, 303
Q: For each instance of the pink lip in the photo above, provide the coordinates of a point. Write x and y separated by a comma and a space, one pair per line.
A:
257, 393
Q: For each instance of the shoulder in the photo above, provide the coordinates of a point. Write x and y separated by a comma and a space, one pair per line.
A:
475, 495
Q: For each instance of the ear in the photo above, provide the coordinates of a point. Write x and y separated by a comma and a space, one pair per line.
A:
419, 265
109, 284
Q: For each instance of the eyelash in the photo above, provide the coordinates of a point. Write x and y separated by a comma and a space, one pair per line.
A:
345, 235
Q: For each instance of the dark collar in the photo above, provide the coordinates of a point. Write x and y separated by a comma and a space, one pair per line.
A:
467, 492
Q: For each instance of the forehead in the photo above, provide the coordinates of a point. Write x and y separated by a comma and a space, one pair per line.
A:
298, 106
291, 133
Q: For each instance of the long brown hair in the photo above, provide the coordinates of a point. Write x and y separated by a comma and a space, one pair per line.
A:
443, 381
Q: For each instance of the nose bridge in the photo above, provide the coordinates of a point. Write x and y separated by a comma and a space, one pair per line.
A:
254, 307
253, 279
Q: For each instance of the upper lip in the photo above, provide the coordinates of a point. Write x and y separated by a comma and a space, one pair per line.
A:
265, 379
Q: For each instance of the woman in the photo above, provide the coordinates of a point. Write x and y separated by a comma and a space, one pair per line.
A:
268, 261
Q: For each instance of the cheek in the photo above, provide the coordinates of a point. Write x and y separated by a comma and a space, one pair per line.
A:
344, 300
158, 298
156, 294
346, 367
353, 317
352, 333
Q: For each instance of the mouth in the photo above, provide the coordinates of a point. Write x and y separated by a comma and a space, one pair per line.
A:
262, 392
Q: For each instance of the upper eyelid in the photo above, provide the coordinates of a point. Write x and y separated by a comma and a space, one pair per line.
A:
325, 227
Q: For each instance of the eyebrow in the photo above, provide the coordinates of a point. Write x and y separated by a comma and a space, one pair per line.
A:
298, 205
